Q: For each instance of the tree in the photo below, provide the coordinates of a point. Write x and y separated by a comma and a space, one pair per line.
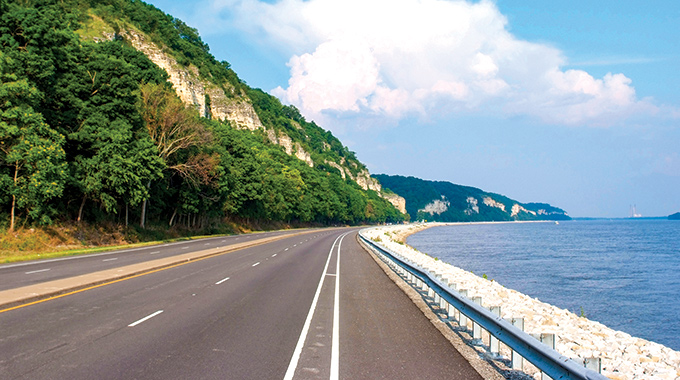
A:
173, 128
31, 153
114, 161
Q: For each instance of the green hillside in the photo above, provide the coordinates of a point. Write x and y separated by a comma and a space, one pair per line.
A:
92, 129
447, 202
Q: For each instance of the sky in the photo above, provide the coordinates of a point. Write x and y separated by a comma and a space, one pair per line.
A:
573, 103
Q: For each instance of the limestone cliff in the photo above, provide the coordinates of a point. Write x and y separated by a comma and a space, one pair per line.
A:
473, 206
291, 148
437, 206
367, 182
225, 102
193, 90
516, 209
397, 201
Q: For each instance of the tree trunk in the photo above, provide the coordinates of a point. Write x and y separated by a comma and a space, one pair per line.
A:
172, 218
126, 214
80, 211
14, 199
11, 222
142, 223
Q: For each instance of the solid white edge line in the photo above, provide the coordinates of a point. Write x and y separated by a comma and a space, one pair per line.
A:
133, 324
290, 372
335, 345
221, 281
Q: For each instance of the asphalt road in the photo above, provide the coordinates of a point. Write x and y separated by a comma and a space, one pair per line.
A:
33, 272
304, 307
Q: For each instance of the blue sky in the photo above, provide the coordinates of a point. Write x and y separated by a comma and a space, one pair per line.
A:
570, 103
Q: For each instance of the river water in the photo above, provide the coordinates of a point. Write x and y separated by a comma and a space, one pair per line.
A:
623, 273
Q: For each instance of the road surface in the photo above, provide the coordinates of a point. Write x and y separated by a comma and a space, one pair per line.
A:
309, 306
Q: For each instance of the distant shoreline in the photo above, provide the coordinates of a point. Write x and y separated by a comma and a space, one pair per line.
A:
424, 226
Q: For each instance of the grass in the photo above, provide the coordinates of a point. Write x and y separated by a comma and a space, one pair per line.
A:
95, 27
70, 238
73, 239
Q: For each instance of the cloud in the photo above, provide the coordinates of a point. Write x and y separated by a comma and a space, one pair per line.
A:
397, 58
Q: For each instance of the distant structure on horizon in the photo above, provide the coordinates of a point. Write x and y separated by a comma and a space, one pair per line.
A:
634, 213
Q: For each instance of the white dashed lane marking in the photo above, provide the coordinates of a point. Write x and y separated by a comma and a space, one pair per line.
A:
38, 271
133, 324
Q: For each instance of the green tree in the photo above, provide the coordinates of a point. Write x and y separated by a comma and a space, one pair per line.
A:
174, 128
115, 159
31, 153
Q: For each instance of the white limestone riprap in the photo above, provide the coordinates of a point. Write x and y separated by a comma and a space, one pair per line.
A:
623, 356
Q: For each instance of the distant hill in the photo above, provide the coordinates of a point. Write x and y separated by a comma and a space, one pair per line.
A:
675, 216
448, 202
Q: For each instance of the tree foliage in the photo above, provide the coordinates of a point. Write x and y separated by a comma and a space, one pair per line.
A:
31, 156
93, 130
464, 203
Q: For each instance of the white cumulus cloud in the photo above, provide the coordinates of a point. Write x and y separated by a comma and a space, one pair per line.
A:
401, 57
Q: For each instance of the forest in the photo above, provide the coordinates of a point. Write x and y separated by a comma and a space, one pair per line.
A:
464, 203
92, 131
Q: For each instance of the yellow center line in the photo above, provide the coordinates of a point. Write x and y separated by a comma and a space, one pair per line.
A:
139, 275
107, 283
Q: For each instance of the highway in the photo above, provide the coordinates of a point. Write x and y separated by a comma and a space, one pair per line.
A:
37, 271
309, 306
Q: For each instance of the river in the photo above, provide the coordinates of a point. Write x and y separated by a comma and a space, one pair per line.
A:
623, 273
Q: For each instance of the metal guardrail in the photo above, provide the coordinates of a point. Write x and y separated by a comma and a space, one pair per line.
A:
544, 358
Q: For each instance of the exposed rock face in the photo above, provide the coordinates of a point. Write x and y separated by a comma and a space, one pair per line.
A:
335, 165
492, 203
291, 148
367, 182
437, 206
192, 90
473, 207
516, 209
237, 110
363, 179
232, 107
398, 202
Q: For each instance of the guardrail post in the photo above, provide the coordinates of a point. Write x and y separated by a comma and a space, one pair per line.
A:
452, 310
437, 297
476, 329
548, 340
594, 364
442, 302
517, 360
494, 343
462, 318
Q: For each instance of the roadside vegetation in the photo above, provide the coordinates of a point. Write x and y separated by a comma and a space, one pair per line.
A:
94, 138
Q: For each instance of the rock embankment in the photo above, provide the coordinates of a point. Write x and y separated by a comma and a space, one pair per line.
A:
623, 356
